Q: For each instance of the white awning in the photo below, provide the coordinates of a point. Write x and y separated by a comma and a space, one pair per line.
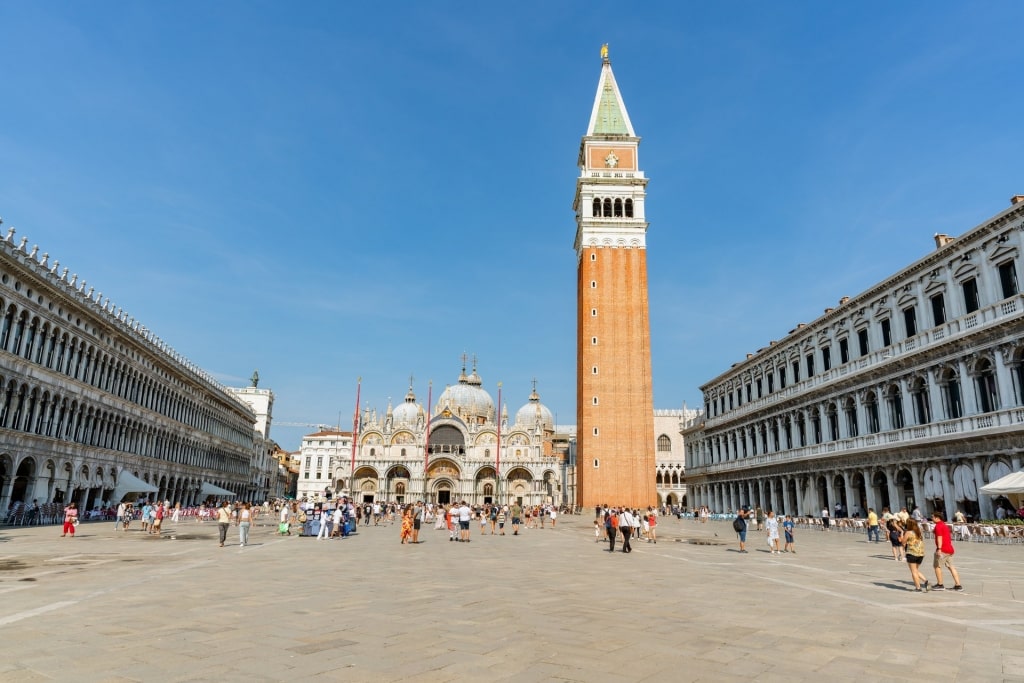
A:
129, 483
1011, 483
208, 489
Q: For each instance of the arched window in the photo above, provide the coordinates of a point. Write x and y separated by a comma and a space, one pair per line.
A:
608, 208
596, 208
618, 208
664, 444
850, 408
629, 208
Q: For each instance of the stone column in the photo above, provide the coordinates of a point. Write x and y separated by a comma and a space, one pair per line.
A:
869, 489
894, 494
1004, 381
968, 391
948, 494
852, 500
938, 409
829, 493
770, 497
984, 502
919, 492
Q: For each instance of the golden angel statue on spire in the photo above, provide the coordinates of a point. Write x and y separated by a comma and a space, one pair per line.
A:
604, 52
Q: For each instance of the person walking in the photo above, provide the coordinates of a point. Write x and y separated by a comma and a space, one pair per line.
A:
244, 522
772, 531
417, 521
611, 525
176, 517
70, 519
121, 510
787, 528
464, 516
517, 517
913, 541
223, 521
873, 530
626, 527
739, 525
944, 552
894, 530
652, 525
405, 536
324, 532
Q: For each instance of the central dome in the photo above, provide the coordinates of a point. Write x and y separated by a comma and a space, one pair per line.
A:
467, 399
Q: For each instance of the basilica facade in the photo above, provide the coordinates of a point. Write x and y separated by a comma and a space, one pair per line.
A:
910, 393
464, 447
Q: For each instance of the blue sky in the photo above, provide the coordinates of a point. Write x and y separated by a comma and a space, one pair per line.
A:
327, 190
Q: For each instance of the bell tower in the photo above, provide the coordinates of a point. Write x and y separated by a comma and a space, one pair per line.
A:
614, 392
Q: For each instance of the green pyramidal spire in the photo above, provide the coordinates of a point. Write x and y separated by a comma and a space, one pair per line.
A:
609, 116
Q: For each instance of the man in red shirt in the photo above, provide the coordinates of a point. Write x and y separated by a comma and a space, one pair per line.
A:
943, 553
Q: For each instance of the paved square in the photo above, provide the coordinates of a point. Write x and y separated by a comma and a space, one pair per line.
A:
547, 605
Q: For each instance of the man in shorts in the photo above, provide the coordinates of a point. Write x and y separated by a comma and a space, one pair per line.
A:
464, 515
517, 517
417, 521
943, 553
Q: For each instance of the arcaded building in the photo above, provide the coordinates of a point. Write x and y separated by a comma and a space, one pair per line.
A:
614, 391
94, 407
910, 393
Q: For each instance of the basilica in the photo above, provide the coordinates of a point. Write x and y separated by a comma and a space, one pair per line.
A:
464, 448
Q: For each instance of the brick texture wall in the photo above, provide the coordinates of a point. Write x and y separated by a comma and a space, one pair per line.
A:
615, 285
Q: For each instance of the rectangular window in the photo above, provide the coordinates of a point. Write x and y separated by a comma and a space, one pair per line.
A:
910, 321
938, 309
771, 382
971, 300
760, 388
844, 351
862, 341
886, 333
796, 371
782, 378
749, 394
1008, 279
826, 359
810, 365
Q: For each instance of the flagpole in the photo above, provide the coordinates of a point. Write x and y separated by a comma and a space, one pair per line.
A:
497, 454
355, 442
426, 438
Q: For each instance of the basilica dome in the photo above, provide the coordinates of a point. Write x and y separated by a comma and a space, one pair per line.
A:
467, 399
407, 413
528, 415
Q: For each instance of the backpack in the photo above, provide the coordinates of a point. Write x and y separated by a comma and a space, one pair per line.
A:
738, 525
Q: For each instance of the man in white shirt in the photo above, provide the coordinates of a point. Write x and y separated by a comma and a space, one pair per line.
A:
376, 514
339, 519
464, 515
626, 522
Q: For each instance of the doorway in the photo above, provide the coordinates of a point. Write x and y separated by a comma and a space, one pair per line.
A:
444, 497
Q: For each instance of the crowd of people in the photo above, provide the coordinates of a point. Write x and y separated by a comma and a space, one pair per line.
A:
612, 522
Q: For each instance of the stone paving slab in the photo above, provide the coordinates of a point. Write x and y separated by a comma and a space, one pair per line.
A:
548, 605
